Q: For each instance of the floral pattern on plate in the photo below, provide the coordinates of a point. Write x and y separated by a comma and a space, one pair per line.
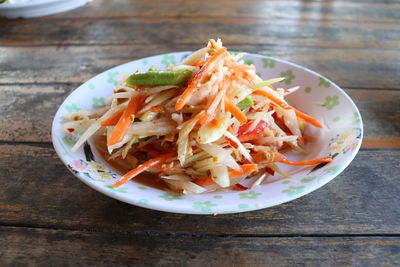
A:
317, 96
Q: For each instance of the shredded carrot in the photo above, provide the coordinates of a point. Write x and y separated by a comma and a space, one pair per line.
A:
273, 98
198, 63
211, 63
308, 118
246, 169
210, 112
232, 143
216, 122
236, 112
249, 137
230, 129
282, 104
143, 167
307, 162
213, 43
155, 109
125, 121
113, 120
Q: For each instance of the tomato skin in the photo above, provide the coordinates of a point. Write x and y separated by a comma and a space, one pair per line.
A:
270, 171
281, 124
240, 187
259, 128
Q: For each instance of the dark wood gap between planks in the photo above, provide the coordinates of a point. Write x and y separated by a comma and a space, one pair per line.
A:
358, 188
41, 246
189, 234
183, 17
114, 32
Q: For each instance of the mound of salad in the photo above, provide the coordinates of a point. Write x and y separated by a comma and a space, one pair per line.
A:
202, 125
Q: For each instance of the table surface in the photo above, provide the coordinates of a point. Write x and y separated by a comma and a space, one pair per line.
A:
47, 216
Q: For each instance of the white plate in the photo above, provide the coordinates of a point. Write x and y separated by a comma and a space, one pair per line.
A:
319, 97
37, 8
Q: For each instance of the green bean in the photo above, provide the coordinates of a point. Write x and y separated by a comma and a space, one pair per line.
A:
168, 77
245, 103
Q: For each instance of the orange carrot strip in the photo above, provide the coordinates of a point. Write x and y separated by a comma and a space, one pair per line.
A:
273, 98
249, 137
245, 170
210, 113
216, 122
113, 120
282, 104
231, 142
125, 121
198, 63
236, 112
143, 167
155, 109
208, 67
308, 118
213, 43
307, 162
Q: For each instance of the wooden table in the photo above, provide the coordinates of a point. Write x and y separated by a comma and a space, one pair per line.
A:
48, 217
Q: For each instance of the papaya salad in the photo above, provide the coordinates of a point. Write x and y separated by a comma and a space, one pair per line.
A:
205, 124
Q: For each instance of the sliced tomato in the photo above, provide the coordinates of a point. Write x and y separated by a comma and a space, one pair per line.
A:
281, 124
258, 129
240, 187
270, 171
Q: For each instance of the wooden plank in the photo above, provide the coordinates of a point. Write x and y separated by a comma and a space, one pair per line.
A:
37, 104
75, 64
188, 30
23, 246
379, 132
359, 201
326, 10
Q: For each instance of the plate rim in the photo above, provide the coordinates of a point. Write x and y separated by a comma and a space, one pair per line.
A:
36, 3
174, 209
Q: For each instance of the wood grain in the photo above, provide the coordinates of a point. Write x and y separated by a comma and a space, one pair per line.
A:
188, 30
37, 104
40, 246
359, 201
48, 217
373, 104
282, 10
353, 68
